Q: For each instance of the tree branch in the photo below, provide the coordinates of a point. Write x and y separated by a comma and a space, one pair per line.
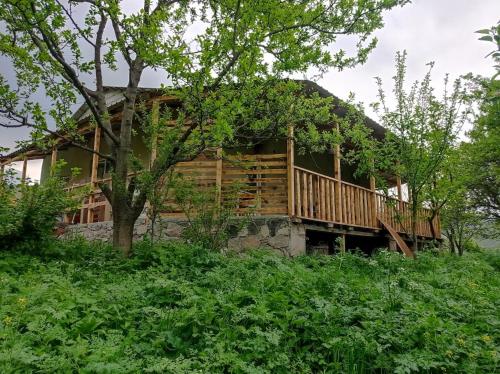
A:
22, 121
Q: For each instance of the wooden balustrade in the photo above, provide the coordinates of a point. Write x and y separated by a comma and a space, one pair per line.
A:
263, 182
316, 199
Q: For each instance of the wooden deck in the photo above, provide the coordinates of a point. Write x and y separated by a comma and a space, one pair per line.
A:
272, 185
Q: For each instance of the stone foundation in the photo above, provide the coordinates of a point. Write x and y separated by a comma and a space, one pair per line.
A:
278, 233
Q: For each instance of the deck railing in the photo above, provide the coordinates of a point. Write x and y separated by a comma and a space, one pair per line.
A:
322, 198
262, 180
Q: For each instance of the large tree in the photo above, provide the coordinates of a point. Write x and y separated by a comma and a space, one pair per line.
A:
219, 57
483, 151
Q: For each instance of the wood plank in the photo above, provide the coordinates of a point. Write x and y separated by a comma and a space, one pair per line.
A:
328, 206
333, 200
401, 244
305, 195
298, 199
311, 195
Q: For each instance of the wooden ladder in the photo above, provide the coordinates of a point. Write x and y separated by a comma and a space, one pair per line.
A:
401, 243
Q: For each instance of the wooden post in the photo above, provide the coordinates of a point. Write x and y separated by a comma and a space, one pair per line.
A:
290, 174
25, 169
53, 159
93, 173
2, 172
218, 175
155, 114
338, 176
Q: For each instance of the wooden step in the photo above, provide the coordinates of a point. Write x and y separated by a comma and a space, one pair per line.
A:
401, 243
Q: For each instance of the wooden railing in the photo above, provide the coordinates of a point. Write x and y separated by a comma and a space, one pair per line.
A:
261, 180
322, 198
263, 189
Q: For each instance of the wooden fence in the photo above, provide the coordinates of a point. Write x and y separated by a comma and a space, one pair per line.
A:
322, 198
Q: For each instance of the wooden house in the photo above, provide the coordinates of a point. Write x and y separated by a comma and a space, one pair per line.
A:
317, 194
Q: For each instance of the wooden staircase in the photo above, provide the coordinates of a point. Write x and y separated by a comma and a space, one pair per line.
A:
401, 243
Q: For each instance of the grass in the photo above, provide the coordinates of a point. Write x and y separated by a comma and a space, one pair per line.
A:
181, 309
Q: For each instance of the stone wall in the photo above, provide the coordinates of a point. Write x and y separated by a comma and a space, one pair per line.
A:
278, 233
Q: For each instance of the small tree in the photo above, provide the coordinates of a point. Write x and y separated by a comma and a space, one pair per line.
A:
421, 130
218, 55
461, 222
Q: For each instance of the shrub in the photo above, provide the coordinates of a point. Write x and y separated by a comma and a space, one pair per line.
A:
29, 212
211, 219
185, 309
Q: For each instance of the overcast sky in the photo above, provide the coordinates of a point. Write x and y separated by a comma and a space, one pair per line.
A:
430, 30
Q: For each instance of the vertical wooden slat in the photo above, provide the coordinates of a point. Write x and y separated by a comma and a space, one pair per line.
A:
289, 167
311, 193
373, 202
328, 208
345, 197
349, 204
318, 188
358, 205
332, 194
322, 199
369, 213
305, 194
298, 200
364, 209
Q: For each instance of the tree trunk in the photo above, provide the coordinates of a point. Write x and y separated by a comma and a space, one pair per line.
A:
452, 244
125, 209
123, 231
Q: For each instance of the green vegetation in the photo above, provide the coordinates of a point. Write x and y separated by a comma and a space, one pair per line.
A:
177, 308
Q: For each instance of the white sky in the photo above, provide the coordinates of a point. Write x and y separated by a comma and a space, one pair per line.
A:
430, 30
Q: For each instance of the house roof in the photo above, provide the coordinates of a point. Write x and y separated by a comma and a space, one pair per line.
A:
115, 96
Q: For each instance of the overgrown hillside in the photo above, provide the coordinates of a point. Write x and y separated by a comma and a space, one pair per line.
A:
179, 309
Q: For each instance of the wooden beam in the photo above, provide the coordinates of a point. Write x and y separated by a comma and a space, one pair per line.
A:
93, 173
155, 116
25, 169
290, 174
